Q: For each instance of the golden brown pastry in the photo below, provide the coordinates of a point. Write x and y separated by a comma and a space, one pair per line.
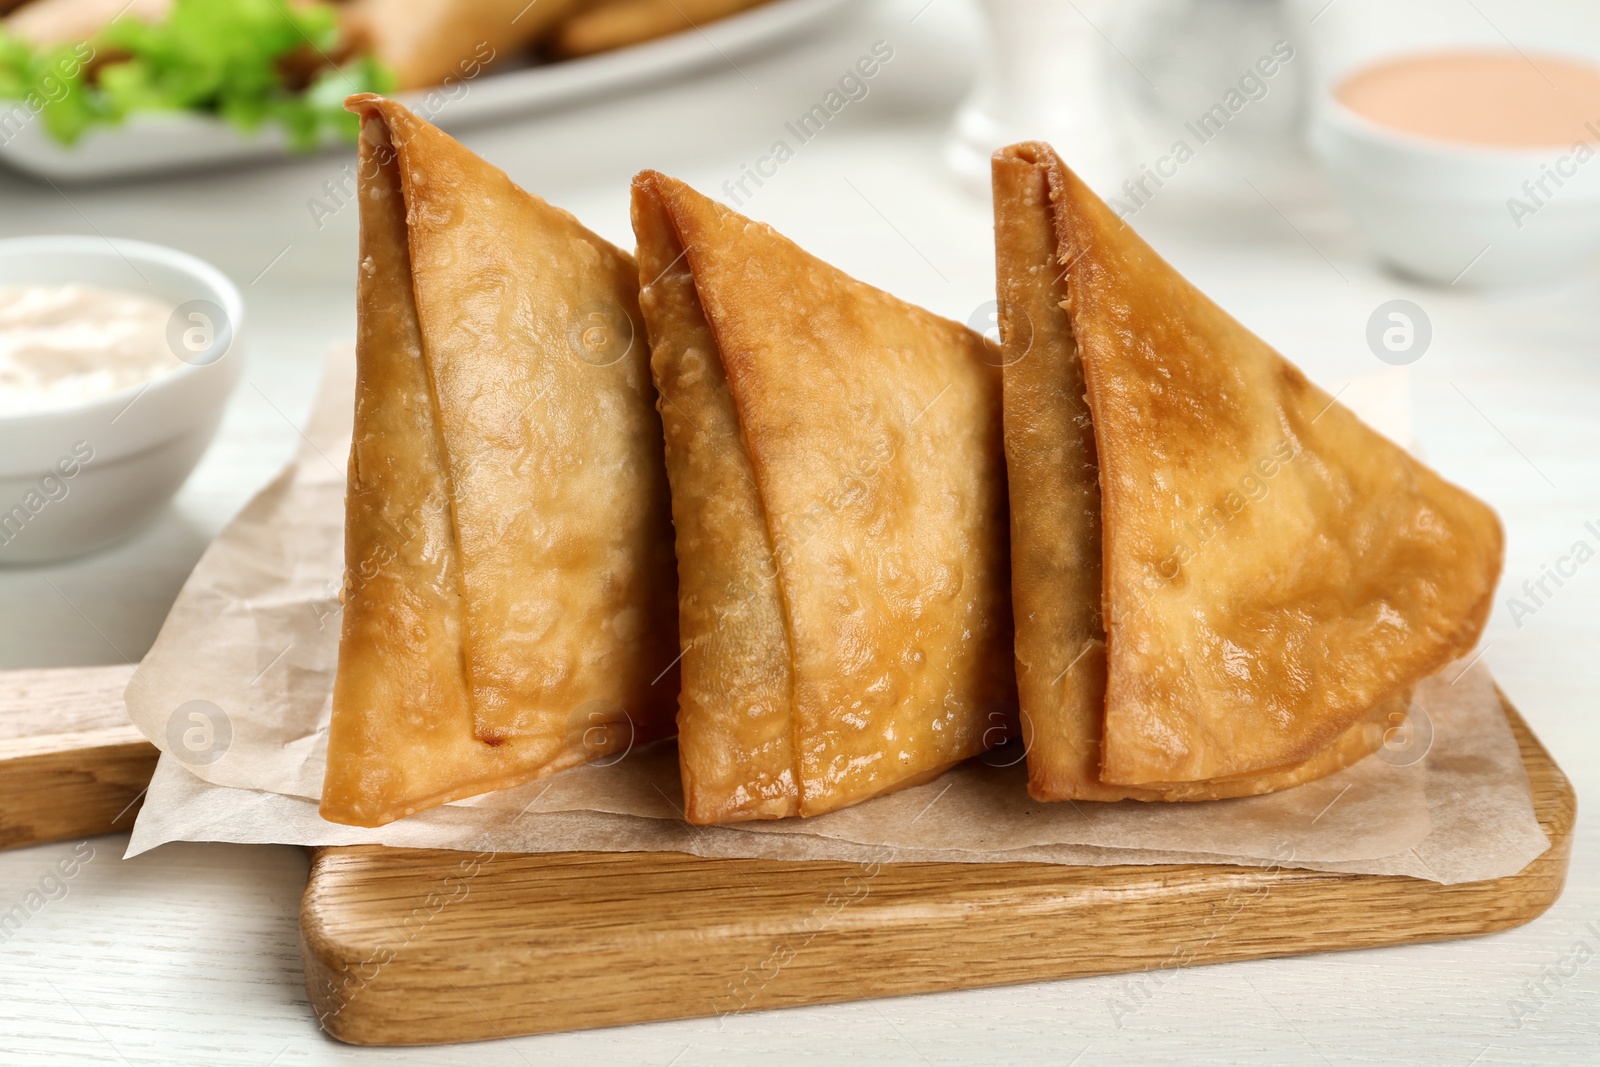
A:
619, 23
48, 22
510, 595
427, 41
838, 492
1224, 582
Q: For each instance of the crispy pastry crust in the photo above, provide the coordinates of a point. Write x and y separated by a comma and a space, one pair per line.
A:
1055, 499
871, 430
510, 593
735, 710
1275, 574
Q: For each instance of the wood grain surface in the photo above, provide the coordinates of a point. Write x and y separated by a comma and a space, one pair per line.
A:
420, 946
71, 764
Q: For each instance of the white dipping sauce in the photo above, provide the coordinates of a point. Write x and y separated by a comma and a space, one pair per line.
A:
63, 344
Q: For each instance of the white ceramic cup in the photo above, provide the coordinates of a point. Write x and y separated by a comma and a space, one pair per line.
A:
1461, 214
74, 479
1041, 79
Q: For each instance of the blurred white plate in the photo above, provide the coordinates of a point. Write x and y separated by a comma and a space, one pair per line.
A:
154, 142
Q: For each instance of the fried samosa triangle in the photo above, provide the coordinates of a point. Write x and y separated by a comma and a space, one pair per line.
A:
1224, 582
838, 493
444, 44
510, 593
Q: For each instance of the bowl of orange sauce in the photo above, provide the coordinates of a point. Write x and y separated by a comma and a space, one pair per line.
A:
1466, 167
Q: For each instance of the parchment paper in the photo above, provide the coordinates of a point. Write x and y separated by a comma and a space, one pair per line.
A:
251, 646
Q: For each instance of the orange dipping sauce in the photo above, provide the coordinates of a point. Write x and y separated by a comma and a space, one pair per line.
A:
1503, 99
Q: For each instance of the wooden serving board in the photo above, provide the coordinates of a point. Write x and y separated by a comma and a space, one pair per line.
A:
71, 764
406, 947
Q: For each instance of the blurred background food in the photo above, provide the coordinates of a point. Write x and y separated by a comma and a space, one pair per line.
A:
78, 64
618, 23
1461, 157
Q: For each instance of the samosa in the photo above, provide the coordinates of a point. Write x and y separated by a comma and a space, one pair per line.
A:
1224, 582
510, 605
447, 43
838, 494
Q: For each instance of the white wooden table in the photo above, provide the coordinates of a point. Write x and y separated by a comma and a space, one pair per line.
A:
189, 954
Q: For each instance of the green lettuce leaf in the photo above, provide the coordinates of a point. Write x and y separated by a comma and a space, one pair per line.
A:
47, 85
230, 58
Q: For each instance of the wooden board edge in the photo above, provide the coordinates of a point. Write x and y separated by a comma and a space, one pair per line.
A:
71, 763
84, 792
400, 1017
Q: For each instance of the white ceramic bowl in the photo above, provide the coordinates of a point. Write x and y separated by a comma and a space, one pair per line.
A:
1445, 211
74, 479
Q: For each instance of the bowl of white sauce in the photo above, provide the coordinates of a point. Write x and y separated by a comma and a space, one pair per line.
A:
116, 362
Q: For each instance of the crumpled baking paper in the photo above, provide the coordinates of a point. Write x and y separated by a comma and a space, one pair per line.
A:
237, 692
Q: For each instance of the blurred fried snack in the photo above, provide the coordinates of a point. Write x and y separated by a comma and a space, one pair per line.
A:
619, 23
426, 41
838, 494
1224, 582
510, 593
48, 22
